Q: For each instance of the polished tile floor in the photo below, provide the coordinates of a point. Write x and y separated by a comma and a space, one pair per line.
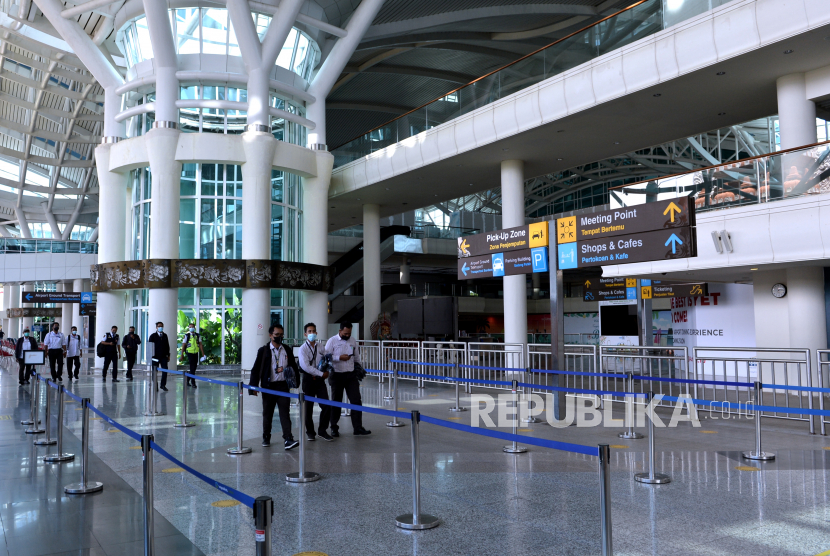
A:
543, 501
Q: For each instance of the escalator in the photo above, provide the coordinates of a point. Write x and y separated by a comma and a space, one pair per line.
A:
348, 269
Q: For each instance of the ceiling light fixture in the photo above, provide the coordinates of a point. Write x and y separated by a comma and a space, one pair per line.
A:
658, 95
616, 142
560, 159
789, 51
721, 73
721, 113
753, 269
561, 131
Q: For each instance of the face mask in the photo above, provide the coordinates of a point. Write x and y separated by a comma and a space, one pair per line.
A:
312, 337
26, 334
346, 337
160, 329
74, 332
192, 330
278, 340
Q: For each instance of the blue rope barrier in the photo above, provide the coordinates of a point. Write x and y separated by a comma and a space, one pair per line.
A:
424, 364
553, 444
54, 385
505, 369
73, 396
211, 380
578, 373
116, 424
799, 388
230, 491
749, 406
377, 371
365, 409
272, 392
691, 381
584, 391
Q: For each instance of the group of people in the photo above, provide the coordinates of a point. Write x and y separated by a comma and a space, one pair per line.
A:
269, 373
58, 347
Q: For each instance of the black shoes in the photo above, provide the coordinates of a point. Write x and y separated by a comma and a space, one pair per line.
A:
266, 440
325, 436
310, 437
116, 380
362, 432
289, 444
164, 388
335, 433
60, 379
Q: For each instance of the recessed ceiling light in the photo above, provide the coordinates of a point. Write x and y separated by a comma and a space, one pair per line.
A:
387, 189
505, 150
354, 216
753, 269
332, 207
658, 95
721, 73
560, 159
721, 113
471, 185
616, 142
405, 203
789, 51
358, 198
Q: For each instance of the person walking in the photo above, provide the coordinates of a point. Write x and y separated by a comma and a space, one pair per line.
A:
268, 373
130, 344
314, 383
73, 353
191, 346
55, 344
26, 343
344, 352
112, 352
161, 351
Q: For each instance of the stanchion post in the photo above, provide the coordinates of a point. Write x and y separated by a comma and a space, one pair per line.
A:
147, 472
605, 498
59, 456
515, 448
389, 395
302, 476
85, 486
34, 427
32, 413
758, 454
394, 422
527, 391
651, 478
152, 392
48, 420
263, 512
457, 387
184, 422
416, 520
240, 449
630, 434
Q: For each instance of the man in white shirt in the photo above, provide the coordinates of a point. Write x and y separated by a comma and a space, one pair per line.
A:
344, 351
314, 383
73, 353
55, 343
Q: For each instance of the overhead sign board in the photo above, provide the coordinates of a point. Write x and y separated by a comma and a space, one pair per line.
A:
51, 297
88, 309
502, 241
662, 290
609, 289
511, 263
661, 215
674, 243
475, 267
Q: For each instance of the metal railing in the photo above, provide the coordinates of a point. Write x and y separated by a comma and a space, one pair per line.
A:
8, 245
645, 361
823, 374
494, 362
451, 353
578, 358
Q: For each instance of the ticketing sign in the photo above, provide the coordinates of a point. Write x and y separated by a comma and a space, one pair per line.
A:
659, 289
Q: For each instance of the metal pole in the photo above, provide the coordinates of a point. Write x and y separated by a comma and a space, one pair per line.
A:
457, 386
605, 498
152, 394
184, 422
389, 395
147, 468
240, 449
47, 425
630, 434
416, 520
651, 478
32, 415
528, 418
84, 486
394, 422
515, 448
302, 476
34, 428
758, 454
59, 456
263, 511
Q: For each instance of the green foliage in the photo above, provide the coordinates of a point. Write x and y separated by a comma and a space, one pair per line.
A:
210, 330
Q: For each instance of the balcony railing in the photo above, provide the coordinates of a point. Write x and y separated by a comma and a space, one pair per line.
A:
8, 245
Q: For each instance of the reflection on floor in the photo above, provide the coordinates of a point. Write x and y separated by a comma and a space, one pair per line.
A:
543, 501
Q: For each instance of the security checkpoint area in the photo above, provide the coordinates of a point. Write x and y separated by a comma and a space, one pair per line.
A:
414, 277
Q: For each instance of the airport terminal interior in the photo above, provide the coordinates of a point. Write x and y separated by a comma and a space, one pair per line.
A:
230, 323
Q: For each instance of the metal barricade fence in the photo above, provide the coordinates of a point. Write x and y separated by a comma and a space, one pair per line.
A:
495, 357
775, 366
650, 361
823, 372
444, 353
370, 357
578, 357
401, 350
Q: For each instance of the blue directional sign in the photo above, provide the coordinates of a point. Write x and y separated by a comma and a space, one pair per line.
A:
86, 297
51, 297
567, 256
498, 264
539, 256
674, 240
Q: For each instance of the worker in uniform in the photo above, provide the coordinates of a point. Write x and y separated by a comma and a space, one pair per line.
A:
343, 349
73, 353
55, 343
161, 351
112, 352
191, 346
314, 383
26, 343
130, 344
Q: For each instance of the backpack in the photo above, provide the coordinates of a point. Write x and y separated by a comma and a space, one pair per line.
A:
100, 350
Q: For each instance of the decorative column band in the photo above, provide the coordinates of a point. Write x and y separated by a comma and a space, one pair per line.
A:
33, 312
211, 273
258, 127
164, 124
110, 139
318, 147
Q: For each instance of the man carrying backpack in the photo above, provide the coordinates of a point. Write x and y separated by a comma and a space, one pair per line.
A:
112, 352
192, 345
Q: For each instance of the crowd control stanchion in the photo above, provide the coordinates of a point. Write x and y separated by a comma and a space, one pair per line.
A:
758, 454
46, 425
630, 434
263, 512
85, 486
416, 520
184, 422
389, 395
147, 471
605, 498
527, 391
457, 386
515, 448
394, 422
59, 456
152, 390
34, 427
302, 476
651, 478
240, 449
32, 412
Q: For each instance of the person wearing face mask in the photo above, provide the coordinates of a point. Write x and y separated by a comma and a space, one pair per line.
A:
73, 353
343, 349
26, 343
161, 351
268, 372
191, 346
112, 352
55, 343
130, 344
314, 383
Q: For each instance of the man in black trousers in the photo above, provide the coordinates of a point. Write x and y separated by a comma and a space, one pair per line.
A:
130, 344
161, 351
268, 372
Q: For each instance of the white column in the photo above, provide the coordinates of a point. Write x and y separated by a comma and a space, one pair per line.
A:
164, 225
806, 299
14, 303
77, 319
404, 276
164, 62
513, 214
113, 230
7, 299
28, 322
259, 148
59, 289
315, 222
66, 313
371, 268
796, 114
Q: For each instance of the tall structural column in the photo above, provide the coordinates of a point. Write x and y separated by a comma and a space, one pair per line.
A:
28, 322
260, 148
7, 300
796, 114
78, 286
371, 268
59, 289
515, 289
315, 224
14, 303
805, 301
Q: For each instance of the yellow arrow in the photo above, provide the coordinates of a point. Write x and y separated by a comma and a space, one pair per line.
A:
672, 208
587, 283
465, 246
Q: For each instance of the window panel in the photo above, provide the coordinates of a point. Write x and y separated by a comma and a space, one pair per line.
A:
145, 45
188, 32
214, 31
285, 56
